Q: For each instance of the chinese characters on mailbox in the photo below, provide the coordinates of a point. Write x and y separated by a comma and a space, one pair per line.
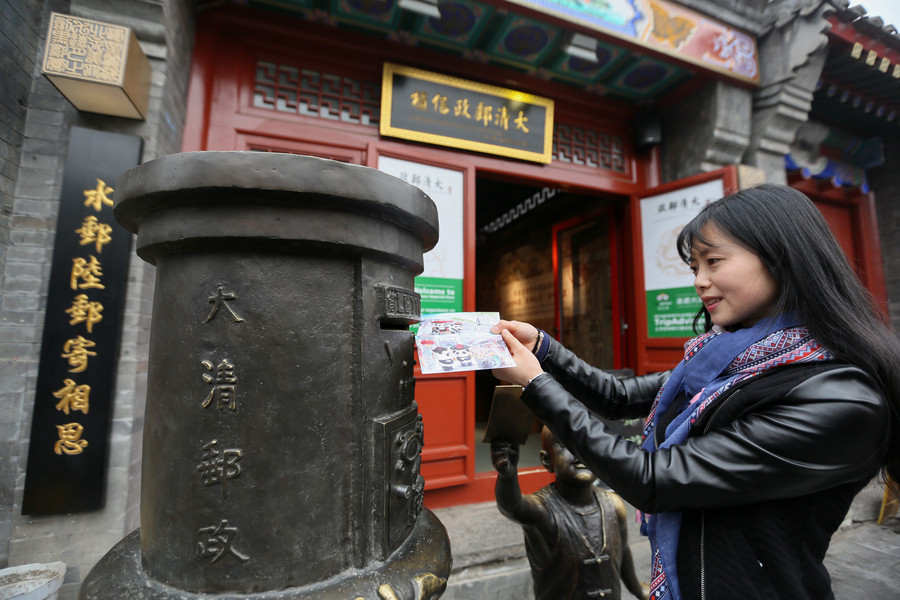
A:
219, 465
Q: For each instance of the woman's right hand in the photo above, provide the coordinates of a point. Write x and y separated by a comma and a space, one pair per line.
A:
526, 333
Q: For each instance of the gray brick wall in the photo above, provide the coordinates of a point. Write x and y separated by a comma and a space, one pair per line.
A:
885, 180
17, 52
22, 238
34, 123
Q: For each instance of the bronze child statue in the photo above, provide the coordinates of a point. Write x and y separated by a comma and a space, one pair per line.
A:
575, 532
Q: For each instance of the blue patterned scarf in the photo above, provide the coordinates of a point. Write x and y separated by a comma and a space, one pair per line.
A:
713, 363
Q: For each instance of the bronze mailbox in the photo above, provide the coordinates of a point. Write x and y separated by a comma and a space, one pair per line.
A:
281, 437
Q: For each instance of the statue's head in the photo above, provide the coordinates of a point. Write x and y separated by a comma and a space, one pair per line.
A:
557, 459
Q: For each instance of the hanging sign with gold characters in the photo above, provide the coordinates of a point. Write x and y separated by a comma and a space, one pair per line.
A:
74, 395
438, 109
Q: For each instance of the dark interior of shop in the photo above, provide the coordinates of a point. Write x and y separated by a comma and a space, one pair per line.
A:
516, 224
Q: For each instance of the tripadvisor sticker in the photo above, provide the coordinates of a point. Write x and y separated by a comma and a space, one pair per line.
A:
671, 312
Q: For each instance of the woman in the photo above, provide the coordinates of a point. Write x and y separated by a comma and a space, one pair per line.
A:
779, 414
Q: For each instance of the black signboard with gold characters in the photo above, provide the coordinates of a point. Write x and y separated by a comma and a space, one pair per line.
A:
438, 109
67, 453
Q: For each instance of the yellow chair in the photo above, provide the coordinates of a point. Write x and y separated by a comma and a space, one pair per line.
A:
890, 500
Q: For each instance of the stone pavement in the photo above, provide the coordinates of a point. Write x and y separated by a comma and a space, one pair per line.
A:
489, 554
864, 561
864, 558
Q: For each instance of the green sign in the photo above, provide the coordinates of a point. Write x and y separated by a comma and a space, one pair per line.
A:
671, 312
440, 295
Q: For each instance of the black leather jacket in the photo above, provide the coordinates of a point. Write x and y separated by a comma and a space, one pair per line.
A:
763, 480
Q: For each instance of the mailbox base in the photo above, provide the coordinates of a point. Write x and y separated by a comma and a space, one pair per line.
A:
417, 570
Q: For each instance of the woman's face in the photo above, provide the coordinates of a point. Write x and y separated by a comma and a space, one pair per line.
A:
732, 282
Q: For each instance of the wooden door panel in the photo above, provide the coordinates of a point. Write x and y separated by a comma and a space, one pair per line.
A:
448, 452
841, 221
585, 273
441, 400
850, 214
444, 472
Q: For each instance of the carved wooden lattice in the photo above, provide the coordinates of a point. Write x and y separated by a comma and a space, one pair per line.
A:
578, 146
312, 93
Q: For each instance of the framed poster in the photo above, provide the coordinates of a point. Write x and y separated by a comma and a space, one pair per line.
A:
672, 301
441, 283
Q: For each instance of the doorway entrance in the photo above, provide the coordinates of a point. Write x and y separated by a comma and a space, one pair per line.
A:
550, 258
585, 265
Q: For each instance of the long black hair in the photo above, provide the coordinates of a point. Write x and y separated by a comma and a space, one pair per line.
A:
789, 235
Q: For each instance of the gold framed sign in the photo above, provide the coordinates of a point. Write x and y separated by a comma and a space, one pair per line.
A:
438, 109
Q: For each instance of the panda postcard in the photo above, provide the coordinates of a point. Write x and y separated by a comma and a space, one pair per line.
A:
461, 341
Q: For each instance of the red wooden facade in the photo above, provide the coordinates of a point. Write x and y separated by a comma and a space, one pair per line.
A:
268, 82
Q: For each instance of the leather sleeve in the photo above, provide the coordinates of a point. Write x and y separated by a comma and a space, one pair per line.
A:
828, 429
602, 392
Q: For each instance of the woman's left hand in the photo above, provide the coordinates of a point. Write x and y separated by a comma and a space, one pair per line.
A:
527, 365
